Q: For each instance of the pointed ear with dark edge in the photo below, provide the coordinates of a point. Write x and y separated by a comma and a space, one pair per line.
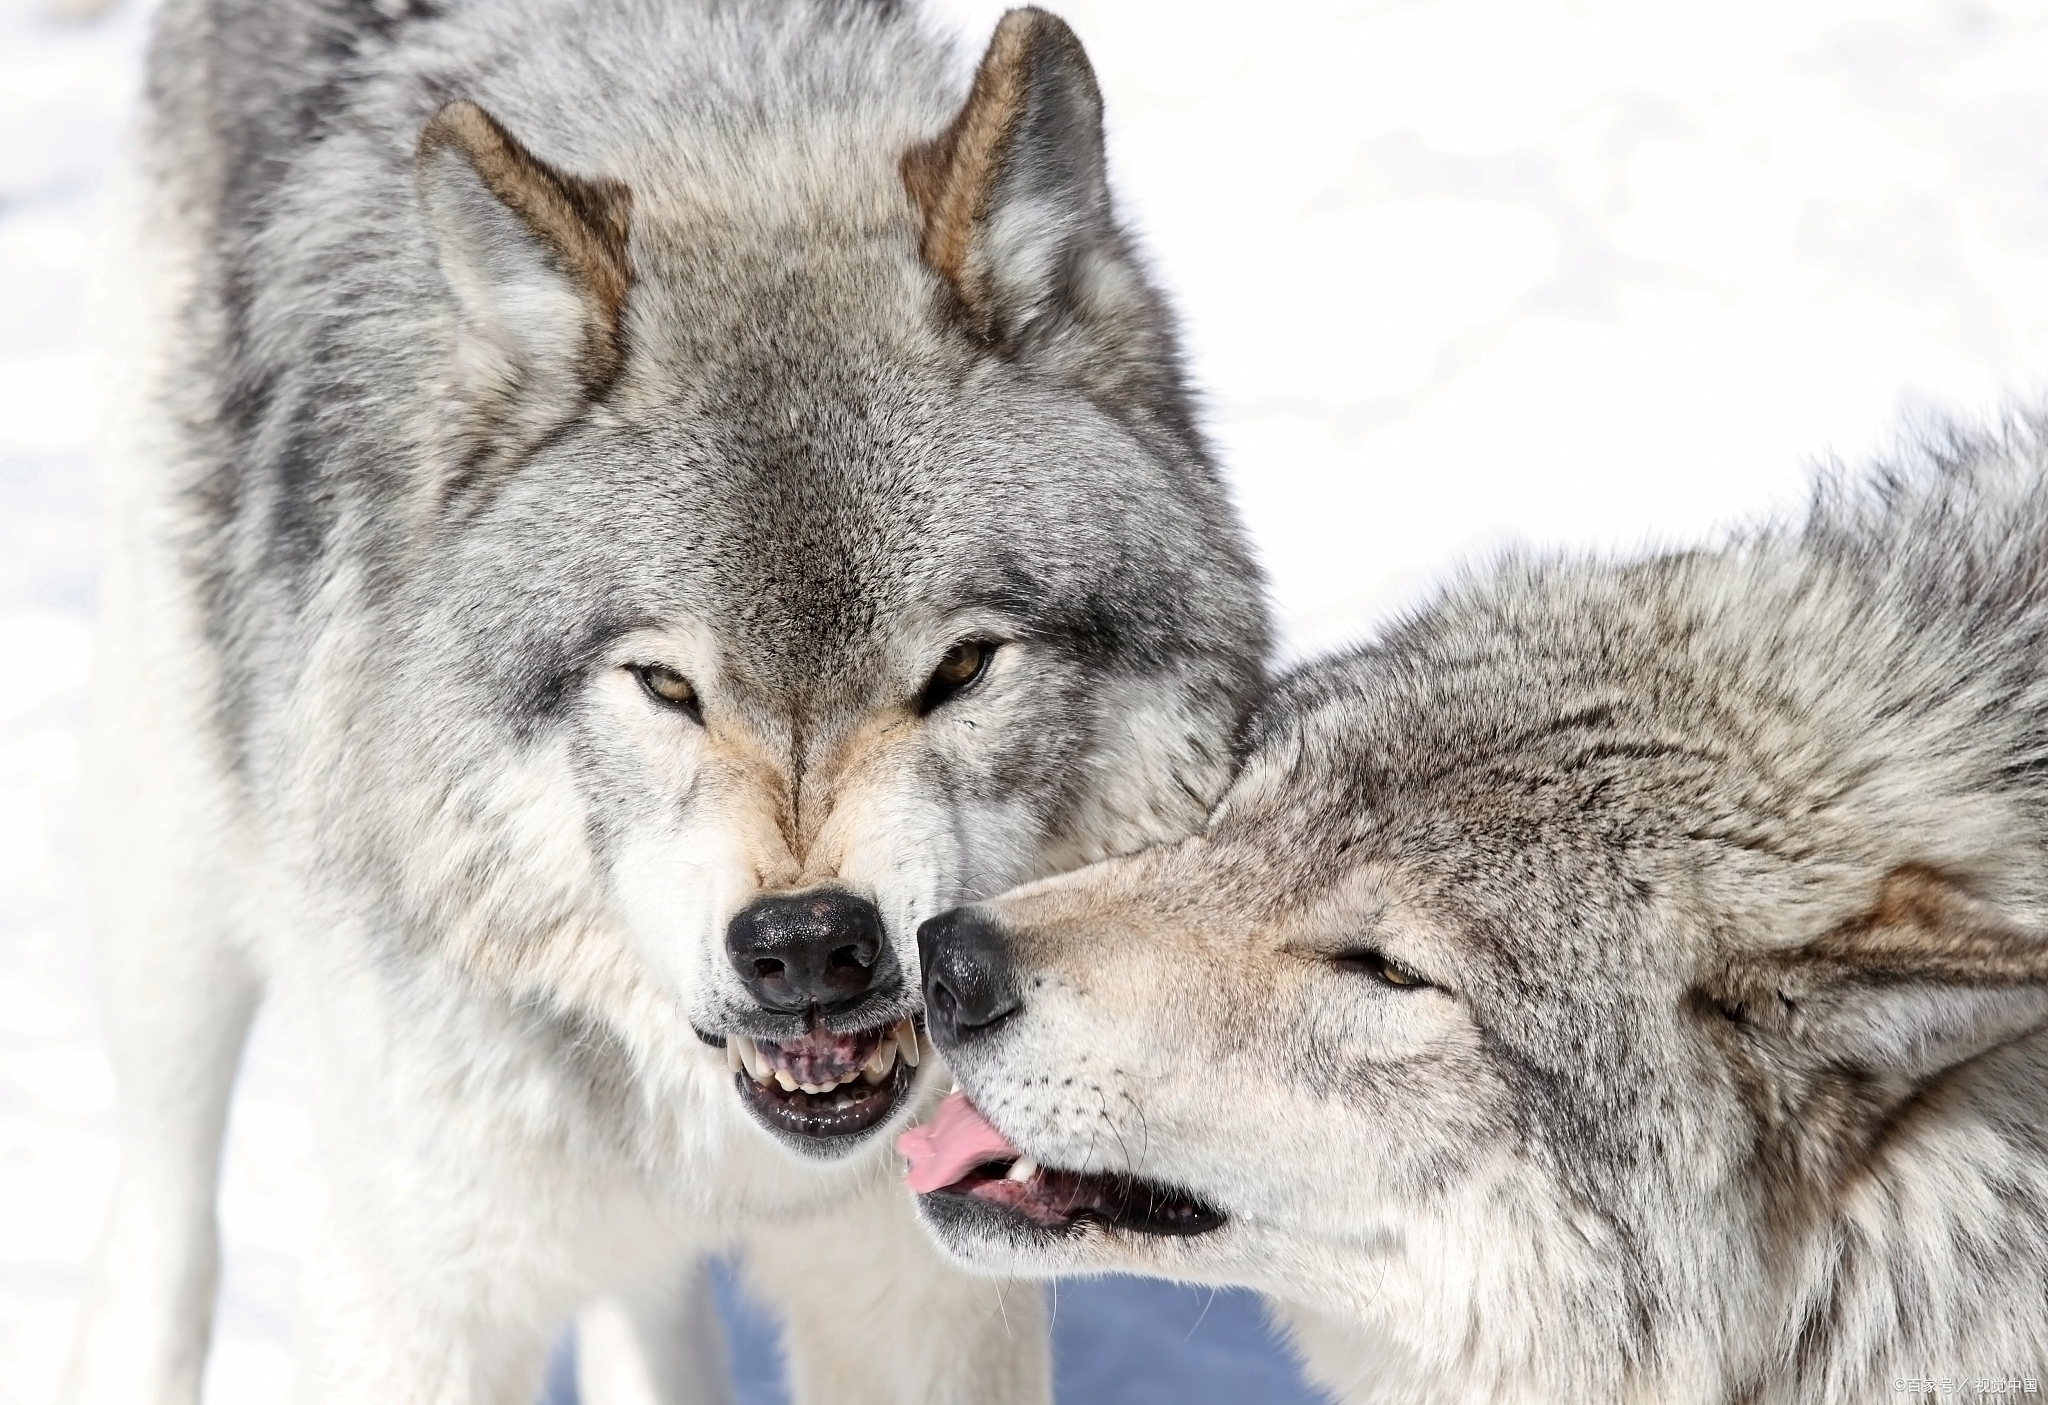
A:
1838, 1035
1012, 194
536, 259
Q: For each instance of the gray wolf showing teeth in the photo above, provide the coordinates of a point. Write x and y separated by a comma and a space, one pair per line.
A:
1623, 982
627, 509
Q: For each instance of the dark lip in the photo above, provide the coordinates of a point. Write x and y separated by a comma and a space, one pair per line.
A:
1060, 1204
816, 1134
820, 1132
876, 1012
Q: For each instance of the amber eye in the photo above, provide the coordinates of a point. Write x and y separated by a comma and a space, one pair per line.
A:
669, 688
958, 671
1381, 967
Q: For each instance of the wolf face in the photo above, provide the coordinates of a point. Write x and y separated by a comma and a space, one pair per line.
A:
808, 534
1624, 982
798, 742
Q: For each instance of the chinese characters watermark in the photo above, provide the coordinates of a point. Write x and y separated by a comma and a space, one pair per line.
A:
1966, 1385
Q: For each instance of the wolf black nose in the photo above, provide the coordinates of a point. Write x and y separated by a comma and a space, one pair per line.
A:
969, 984
796, 950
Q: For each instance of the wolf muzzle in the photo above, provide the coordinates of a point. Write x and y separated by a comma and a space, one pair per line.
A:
970, 984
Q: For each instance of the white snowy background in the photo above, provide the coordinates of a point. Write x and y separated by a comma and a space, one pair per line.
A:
1455, 272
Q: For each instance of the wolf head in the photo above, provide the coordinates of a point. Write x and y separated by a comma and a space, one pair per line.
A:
1625, 982
818, 538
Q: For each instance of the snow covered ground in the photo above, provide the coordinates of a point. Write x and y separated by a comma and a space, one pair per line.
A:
1455, 272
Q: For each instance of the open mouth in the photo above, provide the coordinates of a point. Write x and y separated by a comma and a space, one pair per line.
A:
961, 1154
823, 1088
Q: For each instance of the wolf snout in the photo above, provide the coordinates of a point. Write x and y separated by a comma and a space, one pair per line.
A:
796, 950
969, 977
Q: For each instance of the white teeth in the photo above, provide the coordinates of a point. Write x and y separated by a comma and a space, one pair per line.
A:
749, 1057
1022, 1170
732, 1055
742, 1053
880, 1062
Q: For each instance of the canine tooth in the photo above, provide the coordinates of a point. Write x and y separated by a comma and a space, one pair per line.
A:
906, 1039
750, 1058
733, 1063
785, 1082
1023, 1169
880, 1063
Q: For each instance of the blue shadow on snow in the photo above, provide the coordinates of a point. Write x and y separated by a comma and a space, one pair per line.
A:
1115, 1341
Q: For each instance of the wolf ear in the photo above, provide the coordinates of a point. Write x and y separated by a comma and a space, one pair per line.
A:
1014, 191
536, 259
1015, 218
1846, 1029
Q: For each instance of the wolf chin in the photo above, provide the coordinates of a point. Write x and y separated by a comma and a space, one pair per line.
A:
1624, 981
622, 513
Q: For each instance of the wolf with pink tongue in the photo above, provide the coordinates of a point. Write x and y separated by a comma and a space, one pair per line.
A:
1622, 981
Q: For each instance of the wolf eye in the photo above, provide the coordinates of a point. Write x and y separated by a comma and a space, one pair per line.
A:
958, 671
670, 689
1381, 967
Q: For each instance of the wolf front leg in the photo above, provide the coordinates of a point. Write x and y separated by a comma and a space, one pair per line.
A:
873, 1316
178, 1002
177, 991
372, 1332
660, 1345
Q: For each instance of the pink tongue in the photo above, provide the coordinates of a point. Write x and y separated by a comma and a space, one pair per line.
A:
952, 1144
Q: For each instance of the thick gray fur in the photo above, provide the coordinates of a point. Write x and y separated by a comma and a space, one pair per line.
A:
389, 528
1712, 1064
